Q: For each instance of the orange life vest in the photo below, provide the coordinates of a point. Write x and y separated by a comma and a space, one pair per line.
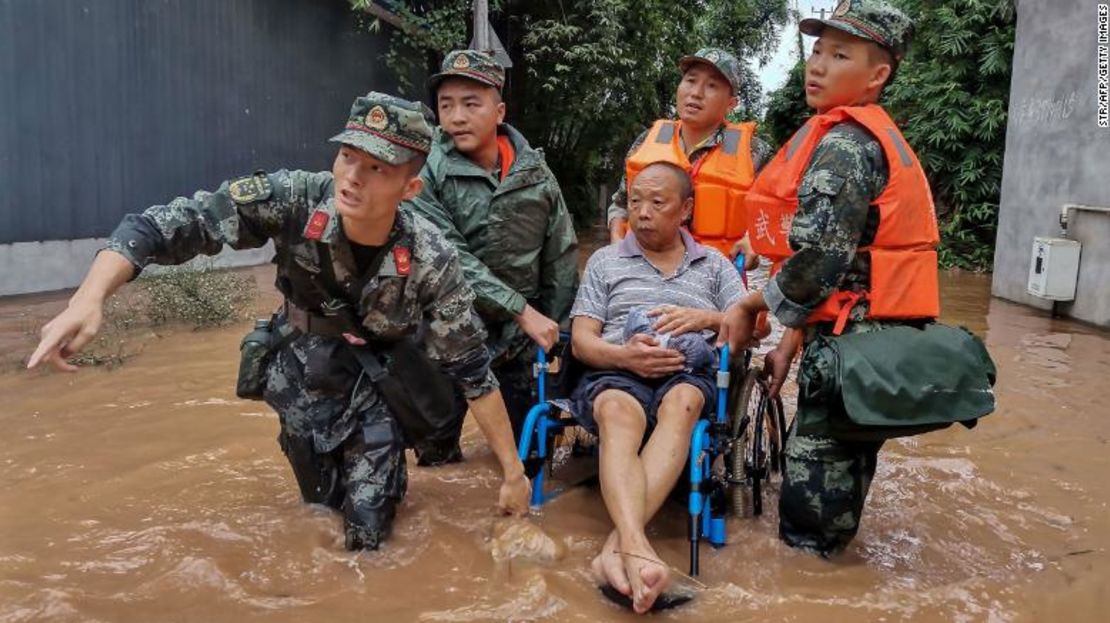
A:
721, 178
903, 280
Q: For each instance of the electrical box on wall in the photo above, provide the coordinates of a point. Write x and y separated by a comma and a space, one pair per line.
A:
1054, 268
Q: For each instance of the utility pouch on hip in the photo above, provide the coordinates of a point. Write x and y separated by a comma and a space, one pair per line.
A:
894, 382
255, 352
420, 397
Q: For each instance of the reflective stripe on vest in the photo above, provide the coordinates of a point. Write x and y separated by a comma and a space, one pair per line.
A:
903, 279
721, 178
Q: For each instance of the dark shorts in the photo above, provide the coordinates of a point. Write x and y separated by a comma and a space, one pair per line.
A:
648, 392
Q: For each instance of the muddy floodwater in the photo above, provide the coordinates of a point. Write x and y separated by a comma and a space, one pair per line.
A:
150, 493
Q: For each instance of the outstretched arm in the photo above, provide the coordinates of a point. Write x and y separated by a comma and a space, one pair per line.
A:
558, 259
494, 296
492, 417
69, 331
242, 213
456, 342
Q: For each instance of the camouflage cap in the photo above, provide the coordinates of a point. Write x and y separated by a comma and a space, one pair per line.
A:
722, 61
389, 128
470, 64
874, 20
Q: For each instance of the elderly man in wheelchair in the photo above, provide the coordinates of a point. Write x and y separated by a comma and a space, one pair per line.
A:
643, 326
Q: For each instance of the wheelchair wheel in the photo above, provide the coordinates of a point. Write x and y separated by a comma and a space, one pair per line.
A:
750, 443
757, 468
777, 416
773, 438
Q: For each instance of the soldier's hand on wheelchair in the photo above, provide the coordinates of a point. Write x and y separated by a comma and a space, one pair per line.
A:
644, 357
543, 330
515, 492
738, 328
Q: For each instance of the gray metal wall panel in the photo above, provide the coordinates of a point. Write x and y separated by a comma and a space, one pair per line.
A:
108, 106
1055, 154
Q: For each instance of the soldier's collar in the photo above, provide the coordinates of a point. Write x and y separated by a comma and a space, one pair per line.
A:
324, 225
710, 141
398, 259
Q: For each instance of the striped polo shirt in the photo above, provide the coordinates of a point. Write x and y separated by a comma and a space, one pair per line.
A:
618, 278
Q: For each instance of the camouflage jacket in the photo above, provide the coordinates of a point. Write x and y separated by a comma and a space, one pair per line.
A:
514, 236
618, 203
424, 286
846, 174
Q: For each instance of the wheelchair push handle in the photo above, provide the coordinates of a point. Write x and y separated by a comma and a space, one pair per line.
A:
559, 347
541, 367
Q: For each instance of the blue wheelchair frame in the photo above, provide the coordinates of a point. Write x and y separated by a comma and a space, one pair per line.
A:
707, 503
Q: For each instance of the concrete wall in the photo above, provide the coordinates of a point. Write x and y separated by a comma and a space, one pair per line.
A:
1055, 154
111, 106
60, 264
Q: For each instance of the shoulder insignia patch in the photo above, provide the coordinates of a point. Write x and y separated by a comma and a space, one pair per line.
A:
314, 230
250, 188
402, 258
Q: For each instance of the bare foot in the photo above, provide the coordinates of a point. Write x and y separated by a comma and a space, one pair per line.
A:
608, 568
646, 573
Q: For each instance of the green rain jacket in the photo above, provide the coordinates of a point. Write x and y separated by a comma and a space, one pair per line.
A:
515, 236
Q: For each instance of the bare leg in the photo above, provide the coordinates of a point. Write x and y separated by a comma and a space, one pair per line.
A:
660, 463
663, 458
666, 451
621, 424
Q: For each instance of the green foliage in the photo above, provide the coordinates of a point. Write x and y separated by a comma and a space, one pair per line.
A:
786, 108
429, 26
950, 97
200, 297
590, 75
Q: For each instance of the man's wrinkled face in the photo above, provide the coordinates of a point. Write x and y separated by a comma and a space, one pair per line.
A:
843, 70
656, 207
704, 97
368, 189
470, 112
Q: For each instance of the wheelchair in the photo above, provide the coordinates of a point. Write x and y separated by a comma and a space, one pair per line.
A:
733, 454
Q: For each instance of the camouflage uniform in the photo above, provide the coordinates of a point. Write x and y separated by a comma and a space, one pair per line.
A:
342, 441
826, 480
514, 235
729, 67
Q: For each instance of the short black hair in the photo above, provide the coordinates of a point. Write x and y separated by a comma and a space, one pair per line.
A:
879, 55
685, 184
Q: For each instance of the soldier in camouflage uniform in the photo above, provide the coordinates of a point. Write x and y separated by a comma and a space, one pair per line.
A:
826, 480
495, 199
343, 250
700, 71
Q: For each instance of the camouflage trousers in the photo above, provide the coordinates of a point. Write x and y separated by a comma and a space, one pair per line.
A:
823, 492
344, 446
